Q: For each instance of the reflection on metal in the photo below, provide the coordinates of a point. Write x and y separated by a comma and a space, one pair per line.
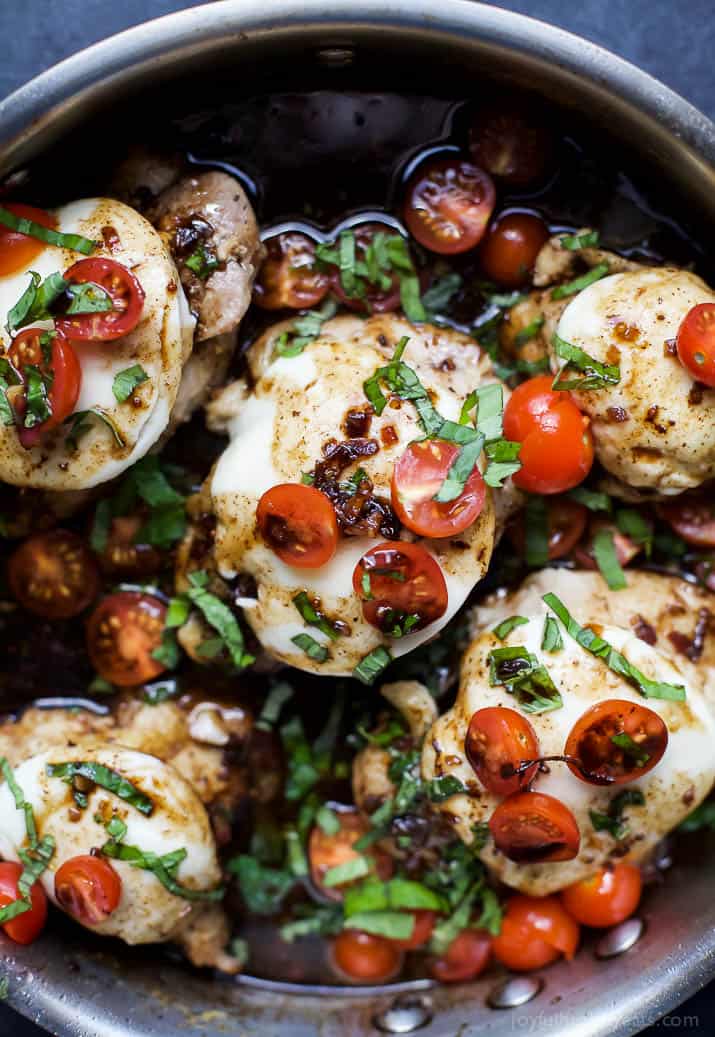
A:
405, 1015
514, 992
620, 939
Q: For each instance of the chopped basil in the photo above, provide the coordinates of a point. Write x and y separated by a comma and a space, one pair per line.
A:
86, 297
631, 748
439, 295
410, 298
20, 801
151, 483
327, 820
37, 387
632, 523
304, 330
278, 694
158, 692
529, 332
372, 665
532, 367
162, 867
4, 988
702, 817
595, 375
591, 499
8, 377
322, 920
35, 861
503, 456
303, 772
396, 894
604, 552
22, 312
168, 653
504, 300
106, 778
460, 470
395, 925
348, 871
81, 424
503, 629
447, 929
575, 242
219, 616
536, 527
490, 408
403, 381
202, 262
613, 821
444, 787
312, 648
99, 686
562, 291
612, 658
22, 225
551, 640
127, 381
524, 677
307, 610
145, 481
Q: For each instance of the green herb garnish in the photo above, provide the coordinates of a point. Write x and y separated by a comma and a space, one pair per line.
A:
562, 291
75, 242
106, 778
594, 374
126, 381
604, 552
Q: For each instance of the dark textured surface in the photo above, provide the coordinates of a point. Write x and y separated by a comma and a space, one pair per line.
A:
673, 41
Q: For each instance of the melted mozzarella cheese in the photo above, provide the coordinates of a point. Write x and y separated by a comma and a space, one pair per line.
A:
161, 343
279, 432
681, 779
147, 912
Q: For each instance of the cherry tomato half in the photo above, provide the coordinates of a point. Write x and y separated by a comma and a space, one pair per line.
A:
288, 278
122, 633
556, 441
25, 927
364, 957
418, 476
299, 524
378, 297
126, 293
17, 251
123, 557
57, 362
616, 741
696, 343
606, 898
534, 932
531, 827
448, 203
509, 251
53, 574
512, 143
692, 517
88, 888
566, 524
498, 741
402, 587
422, 932
466, 957
326, 851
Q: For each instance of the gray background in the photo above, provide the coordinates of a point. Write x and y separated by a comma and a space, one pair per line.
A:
672, 39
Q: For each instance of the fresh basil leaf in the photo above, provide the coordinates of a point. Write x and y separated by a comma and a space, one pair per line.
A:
162, 868
447, 929
327, 820
151, 483
347, 261
323, 920
503, 629
702, 817
490, 410
613, 821
75, 242
87, 298
591, 499
595, 375
39, 408
126, 381
524, 677
604, 552
551, 640
536, 527
20, 802
219, 616
459, 471
164, 526
348, 871
314, 618
410, 300
372, 665
278, 694
397, 894
312, 648
106, 778
439, 789
503, 457
304, 330
80, 425
395, 925
439, 295
635, 526
631, 748
562, 291
529, 332
202, 262
20, 312
575, 242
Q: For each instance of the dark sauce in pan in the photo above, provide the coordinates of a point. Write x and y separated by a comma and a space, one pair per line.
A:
315, 161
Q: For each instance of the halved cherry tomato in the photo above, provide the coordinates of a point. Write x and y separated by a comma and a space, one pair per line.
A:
616, 741
692, 517
566, 523
530, 827
88, 888
377, 298
122, 556
466, 957
448, 203
509, 251
26, 927
364, 957
299, 524
53, 574
122, 633
418, 476
534, 932
17, 251
512, 143
53, 356
126, 294
422, 932
626, 548
556, 441
326, 851
606, 898
696, 342
289, 278
402, 587
498, 741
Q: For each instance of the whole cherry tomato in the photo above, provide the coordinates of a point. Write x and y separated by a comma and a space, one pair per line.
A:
534, 932
509, 250
606, 898
364, 957
466, 957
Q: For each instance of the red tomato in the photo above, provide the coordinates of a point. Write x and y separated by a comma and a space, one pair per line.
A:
556, 441
512, 143
534, 932
422, 932
498, 741
509, 251
288, 278
696, 343
402, 587
126, 294
57, 361
692, 517
606, 898
531, 827
377, 298
418, 476
25, 927
299, 524
122, 633
88, 888
566, 521
17, 251
329, 851
53, 574
466, 957
594, 742
448, 203
366, 958
626, 549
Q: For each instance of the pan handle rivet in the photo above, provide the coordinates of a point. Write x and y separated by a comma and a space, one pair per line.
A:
515, 992
620, 939
405, 1015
